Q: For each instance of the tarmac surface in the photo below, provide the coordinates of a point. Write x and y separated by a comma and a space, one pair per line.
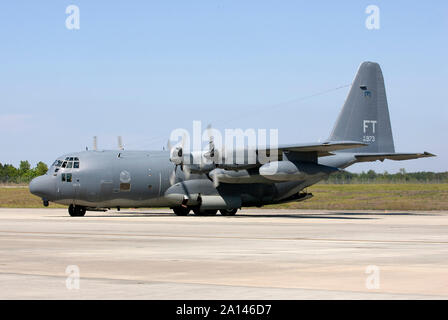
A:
258, 254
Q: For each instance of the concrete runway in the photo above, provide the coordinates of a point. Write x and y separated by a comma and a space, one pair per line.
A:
259, 254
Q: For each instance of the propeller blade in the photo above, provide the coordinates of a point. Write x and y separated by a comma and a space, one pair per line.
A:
173, 176
215, 180
168, 145
182, 142
187, 172
210, 154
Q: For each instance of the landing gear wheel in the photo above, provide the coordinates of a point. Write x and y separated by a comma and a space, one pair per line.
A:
228, 212
76, 211
199, 212
181, 211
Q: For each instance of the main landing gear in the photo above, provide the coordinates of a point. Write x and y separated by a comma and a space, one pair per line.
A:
183, 211
228, 212
76, 211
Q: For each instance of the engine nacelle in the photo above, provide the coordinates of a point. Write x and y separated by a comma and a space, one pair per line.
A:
198, 162
202, 194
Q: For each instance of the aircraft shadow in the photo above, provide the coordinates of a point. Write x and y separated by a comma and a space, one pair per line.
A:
237, 216
300, 216
384, 213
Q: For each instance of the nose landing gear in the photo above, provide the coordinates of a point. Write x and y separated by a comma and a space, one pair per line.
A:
76, 211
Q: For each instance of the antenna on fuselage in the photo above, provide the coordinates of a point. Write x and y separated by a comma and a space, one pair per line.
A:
120, 143
95, 143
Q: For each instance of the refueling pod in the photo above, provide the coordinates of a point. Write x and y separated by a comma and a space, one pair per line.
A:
280, 171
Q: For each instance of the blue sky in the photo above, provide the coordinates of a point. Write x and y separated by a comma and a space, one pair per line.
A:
142, 68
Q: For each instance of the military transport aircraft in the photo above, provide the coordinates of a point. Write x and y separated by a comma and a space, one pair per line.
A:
100, 180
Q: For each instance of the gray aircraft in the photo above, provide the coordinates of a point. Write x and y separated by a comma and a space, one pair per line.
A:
100, 180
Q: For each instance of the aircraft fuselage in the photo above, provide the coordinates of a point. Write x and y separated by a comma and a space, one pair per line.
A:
105, 179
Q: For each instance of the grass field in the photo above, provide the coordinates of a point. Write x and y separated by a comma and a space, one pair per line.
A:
326, 196
20, 197
375, 197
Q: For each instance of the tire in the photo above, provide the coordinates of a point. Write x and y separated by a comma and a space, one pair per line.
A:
228, 212
199, 212
181, 211
76, 211
71, 210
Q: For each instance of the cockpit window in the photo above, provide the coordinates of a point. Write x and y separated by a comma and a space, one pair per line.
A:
69, 162
57, 163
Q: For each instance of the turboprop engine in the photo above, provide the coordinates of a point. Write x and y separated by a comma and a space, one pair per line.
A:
202, 194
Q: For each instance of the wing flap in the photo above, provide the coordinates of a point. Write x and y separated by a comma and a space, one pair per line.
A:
392, 156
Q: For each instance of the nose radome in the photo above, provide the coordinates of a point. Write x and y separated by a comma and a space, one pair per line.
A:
42, 186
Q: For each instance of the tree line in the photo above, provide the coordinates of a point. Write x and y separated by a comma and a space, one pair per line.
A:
346, 177
23, 174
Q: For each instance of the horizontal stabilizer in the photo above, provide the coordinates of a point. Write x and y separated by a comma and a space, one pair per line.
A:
364, 157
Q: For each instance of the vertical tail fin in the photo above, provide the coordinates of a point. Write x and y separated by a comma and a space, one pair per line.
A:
365, 114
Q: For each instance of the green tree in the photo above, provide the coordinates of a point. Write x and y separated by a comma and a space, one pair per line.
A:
24, 167
24, 171
41, 169
11, 174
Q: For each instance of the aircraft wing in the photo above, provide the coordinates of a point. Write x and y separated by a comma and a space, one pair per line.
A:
322, 149
391, 156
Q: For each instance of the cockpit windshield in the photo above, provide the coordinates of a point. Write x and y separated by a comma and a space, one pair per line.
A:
69, 162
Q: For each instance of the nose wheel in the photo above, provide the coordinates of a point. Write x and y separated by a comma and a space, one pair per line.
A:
76, 211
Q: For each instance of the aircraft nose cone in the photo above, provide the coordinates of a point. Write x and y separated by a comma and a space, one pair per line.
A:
42, 187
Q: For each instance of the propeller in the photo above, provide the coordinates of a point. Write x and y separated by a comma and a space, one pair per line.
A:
173, 177
210, 154
186, 169
176, 157
215, 181
214, 176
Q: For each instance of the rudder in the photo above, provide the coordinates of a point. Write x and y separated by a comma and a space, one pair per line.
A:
365, 114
